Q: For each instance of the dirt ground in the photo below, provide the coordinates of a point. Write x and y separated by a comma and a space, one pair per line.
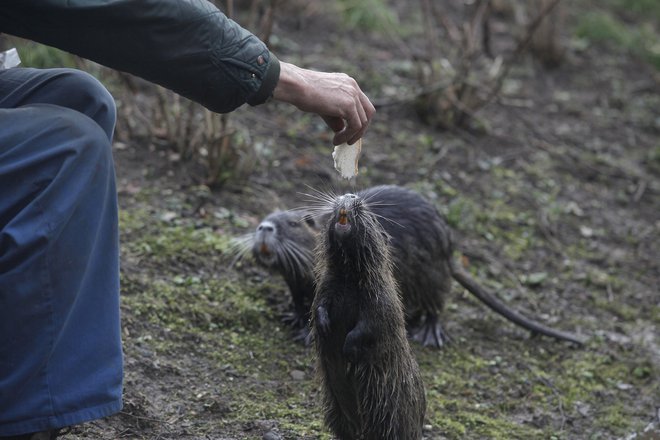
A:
555, 206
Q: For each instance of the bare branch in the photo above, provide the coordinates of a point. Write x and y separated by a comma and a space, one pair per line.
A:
453, 31
520, 48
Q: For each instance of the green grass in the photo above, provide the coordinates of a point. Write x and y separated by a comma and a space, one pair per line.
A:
601, 27
373, 15
643, 9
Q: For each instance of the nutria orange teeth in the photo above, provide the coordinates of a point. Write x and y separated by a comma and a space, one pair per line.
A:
343, 217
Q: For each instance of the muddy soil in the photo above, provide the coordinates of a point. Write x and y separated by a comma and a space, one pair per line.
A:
554, 202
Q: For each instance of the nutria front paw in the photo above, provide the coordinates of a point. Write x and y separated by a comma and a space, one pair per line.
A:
302, 335
358, 345
322, 321
351, 351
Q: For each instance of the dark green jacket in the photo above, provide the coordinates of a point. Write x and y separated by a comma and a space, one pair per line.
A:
188, 46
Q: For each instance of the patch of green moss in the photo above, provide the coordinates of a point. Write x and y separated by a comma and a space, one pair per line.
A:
374, 15
465, 399
282, 406
148, 237
617, 308
603, 27
267, 357
193, 305
642, 9
509, 395
460, 213
493, 219
655, 314
131, 220
653, 158
234, 328
472, 423
175, 240
498, 217
517, 243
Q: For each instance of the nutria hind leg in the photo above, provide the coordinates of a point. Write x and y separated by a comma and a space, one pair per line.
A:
302, 335
299, 325
430, 333
341, 425
295, 319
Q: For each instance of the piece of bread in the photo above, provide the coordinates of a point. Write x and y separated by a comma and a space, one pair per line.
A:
346, 159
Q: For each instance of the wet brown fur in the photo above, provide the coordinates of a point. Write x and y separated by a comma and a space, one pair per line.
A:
372, 388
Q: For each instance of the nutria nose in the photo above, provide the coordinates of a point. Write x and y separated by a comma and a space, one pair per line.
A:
266, 227
346, 198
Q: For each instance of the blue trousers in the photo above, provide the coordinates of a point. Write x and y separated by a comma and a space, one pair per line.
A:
60, 344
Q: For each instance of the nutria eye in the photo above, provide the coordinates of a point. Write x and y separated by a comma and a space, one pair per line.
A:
294, 224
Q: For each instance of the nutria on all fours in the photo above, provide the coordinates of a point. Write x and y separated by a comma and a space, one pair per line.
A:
371, 384
421, 250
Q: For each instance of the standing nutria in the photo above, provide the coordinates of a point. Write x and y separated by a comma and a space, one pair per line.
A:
421, 252
371, 384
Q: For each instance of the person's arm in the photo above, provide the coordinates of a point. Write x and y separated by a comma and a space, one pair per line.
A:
190, 47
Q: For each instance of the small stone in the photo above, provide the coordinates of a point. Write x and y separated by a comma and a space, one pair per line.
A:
168, 216
586, 231
270, 435
583, 409
297, 375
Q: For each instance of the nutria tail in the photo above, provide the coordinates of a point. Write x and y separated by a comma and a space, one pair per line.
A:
495, 304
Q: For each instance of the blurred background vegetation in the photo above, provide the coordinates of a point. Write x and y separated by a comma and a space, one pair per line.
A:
458, 74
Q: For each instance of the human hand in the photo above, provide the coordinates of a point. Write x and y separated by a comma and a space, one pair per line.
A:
336, 97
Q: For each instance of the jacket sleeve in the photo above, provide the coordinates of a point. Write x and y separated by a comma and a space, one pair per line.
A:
188, 46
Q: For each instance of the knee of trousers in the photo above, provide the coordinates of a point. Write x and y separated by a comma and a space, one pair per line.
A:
50, 146
57, 186
53, 158
87, 95
80, 138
